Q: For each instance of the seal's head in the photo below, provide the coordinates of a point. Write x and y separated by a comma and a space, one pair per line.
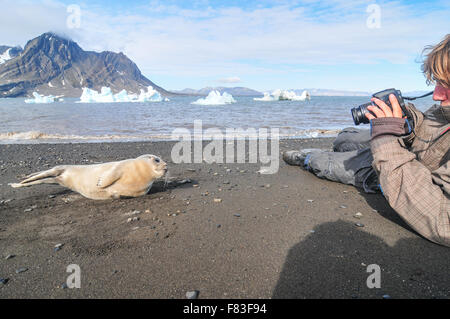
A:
158, 166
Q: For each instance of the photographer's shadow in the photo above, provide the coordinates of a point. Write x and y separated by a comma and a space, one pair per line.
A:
332, 263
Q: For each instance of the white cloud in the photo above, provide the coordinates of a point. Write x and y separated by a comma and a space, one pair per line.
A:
229, 80
211, 42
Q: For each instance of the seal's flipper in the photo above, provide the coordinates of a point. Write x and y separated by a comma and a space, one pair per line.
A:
109, 177
54, 172
49, 180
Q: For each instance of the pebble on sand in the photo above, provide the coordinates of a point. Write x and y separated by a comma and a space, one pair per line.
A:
192, 294
358, 215
4, 281
29, 209
10, 256
134, 212
21, 270
217, 200
359, 225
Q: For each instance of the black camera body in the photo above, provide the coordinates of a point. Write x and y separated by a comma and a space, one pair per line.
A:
359, 113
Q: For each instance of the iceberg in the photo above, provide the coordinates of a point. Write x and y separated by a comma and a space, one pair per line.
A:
106, 96
215, 98
282, 95
43, 99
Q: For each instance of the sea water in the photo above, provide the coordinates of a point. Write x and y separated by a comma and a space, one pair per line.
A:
69, 121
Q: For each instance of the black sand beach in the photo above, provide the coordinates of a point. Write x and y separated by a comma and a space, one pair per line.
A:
287, 235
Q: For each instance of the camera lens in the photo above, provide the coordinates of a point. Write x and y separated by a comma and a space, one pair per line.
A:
359, 114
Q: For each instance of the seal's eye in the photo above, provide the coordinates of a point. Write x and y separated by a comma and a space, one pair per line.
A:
157, 160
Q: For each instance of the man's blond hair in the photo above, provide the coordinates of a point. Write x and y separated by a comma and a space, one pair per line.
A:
436, 66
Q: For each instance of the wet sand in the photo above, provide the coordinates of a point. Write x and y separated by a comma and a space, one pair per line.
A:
287, 235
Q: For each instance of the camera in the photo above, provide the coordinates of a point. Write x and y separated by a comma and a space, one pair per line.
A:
359, 113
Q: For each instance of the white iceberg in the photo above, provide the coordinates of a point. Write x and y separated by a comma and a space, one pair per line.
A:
215, 98
282, 95
106, 96
43, 99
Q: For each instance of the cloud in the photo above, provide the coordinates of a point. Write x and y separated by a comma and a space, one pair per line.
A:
233, 79
211, 42
22, 20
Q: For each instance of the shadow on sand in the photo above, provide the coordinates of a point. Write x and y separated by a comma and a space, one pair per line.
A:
332, 263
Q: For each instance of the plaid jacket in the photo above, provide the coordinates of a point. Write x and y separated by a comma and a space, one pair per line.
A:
414, 173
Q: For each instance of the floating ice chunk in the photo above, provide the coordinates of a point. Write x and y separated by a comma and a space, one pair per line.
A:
215, 98
267, 98
150, 96
282, 95
92, 96
106, 96
42, 99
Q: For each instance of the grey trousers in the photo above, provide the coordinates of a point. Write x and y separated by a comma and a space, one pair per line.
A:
349, 163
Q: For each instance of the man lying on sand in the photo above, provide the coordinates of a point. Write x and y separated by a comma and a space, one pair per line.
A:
411, 168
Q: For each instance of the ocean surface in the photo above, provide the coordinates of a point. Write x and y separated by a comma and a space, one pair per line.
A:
69, 121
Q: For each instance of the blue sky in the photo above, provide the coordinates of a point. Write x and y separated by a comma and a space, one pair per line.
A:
263, 45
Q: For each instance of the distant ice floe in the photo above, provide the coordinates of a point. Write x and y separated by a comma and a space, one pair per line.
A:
106, 96
38, 99
282, 95
215, 98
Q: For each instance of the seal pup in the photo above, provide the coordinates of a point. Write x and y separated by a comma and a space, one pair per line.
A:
127, 178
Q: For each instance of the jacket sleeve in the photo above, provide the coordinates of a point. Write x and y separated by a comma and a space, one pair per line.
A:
419, 196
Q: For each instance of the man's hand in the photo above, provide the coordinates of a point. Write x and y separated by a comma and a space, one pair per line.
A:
382, 110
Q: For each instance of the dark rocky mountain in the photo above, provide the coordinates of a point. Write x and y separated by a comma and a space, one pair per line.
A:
50, 64
235, 91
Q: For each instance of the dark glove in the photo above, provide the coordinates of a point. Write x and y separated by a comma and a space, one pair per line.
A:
389, 126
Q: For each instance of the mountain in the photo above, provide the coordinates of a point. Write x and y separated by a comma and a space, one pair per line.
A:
235, 91
328, 92
50, 64
416, 93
